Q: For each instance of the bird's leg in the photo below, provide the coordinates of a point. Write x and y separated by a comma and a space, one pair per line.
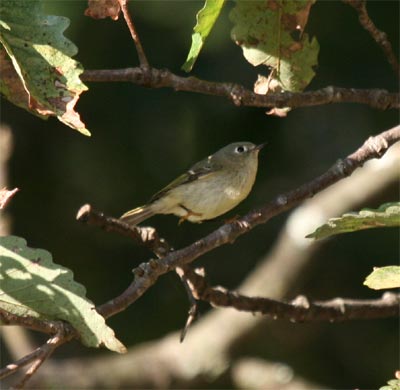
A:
188, 214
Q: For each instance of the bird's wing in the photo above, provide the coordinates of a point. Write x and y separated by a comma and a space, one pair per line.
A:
202, 169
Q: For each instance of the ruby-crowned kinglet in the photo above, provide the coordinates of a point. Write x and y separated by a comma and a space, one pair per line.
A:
208, 189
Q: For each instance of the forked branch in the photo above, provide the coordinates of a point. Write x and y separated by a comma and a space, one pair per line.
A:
147, 273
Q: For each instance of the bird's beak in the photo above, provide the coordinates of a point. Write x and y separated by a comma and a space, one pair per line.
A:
259, 147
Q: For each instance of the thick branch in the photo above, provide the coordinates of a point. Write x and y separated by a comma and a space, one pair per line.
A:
239, 95
379, 37
147, 273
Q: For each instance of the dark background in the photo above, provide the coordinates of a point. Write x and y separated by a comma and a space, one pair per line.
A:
142, 138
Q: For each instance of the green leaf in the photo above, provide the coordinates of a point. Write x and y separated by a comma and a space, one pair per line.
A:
38, 73
206, 19
387, 215
271, 33
32, 285
384, 277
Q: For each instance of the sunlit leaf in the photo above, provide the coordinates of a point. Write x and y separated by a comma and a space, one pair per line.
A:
384, 277
206, 19
38, 73
393, 384
271, 33
32, 285
387, 215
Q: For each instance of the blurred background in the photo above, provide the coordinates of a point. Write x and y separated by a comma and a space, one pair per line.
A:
143, 138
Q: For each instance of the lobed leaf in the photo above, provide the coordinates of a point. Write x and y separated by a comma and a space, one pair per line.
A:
32, 285
271, 33
387, 215
38, 73
384, 277
206, 19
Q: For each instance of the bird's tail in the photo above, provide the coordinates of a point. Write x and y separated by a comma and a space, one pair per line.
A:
135, 216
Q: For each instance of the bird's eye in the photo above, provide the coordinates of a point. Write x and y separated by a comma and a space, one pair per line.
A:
240, 149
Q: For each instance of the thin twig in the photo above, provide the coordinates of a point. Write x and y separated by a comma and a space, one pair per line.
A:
298, 310
379, 36
61, 332
239, 95
139, 48
40, 325
13, 367
147, 273
193, 309
44, 352
145, 236
39, 354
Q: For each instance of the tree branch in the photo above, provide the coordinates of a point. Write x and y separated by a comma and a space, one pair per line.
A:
299, 309
163, 363
144, 236
239, 95
379, 37
139, 48
61, 332
39, 356
147, 273
40, 325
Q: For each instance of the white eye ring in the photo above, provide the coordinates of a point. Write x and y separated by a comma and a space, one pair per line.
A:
240, 149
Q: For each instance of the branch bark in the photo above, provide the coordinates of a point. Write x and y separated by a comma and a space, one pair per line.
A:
299, 309
239, 95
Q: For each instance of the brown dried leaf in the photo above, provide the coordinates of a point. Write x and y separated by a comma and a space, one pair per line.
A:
263, 84
279, 112
100, 9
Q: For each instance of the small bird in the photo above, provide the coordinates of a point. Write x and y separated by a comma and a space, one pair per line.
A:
210, 188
